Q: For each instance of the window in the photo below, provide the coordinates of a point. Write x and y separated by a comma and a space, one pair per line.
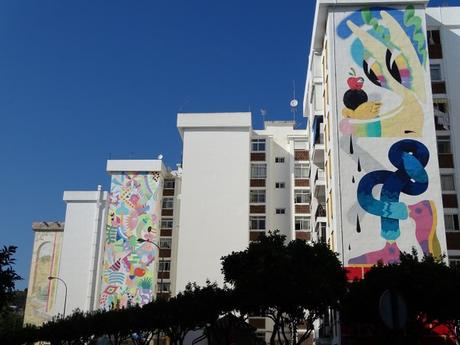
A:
164, 265
258, 145
257, 223
164, 287
443, 144
166, 223
257, 196
447, 183
168, 202
170, 184
301, 170
165, 243
280, 211
279, 185
435, 72
301, 196
451, 222
279, 159
258, 170
302, 223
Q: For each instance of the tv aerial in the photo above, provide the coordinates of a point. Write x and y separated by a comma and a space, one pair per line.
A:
293, 104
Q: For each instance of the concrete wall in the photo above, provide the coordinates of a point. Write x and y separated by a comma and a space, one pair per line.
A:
214, 193
41, 293
81, 249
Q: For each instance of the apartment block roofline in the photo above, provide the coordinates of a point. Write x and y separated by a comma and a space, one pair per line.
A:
319, 27
83, 196
135, 165
48, 226
213, 121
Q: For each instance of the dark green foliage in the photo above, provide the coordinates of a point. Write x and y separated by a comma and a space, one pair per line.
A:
7, 275
289, 283
429, 287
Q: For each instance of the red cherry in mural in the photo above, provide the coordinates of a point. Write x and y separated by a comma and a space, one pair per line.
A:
139, 272
355, 83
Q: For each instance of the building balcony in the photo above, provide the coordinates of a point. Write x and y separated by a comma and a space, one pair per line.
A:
317, 154
318, 186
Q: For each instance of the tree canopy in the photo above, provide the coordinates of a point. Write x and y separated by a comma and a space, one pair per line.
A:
8, 276
293, 284
428, 287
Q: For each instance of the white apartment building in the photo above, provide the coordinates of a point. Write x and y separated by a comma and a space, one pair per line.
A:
158, 229
383, 118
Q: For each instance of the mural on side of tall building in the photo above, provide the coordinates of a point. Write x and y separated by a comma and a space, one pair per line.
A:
386, 132
132, 228
41, 293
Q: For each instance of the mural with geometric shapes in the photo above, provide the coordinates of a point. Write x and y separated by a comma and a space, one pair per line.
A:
385, 130
131, 231
41, 293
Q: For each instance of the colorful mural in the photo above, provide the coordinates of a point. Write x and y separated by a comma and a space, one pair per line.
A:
386, 130
392, 56
131, 231
41, 293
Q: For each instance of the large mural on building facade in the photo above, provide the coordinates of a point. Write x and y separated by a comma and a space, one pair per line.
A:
131, 231
41, 293
386, 131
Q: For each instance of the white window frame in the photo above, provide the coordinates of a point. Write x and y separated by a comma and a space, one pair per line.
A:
448, 182
280, 185
168, 203
301, 170
258, 170
169, 184
302, 223
445, 140
441, 74
164, 287
257, 196
451, 222
165, 243
256, 222
279, 159
280, 211
164, 265
258, 145
167, 223
304, 196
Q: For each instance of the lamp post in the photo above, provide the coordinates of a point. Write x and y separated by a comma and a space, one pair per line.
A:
65, 285
141, 240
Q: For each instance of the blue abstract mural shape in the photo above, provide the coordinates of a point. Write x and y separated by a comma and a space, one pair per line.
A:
410, 158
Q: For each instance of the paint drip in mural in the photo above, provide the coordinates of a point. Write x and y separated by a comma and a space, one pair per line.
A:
132, 230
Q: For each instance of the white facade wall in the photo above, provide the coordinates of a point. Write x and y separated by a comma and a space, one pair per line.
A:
214, 194
85, 214
280, 137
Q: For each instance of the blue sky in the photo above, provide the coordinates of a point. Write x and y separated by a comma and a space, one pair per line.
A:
83, 80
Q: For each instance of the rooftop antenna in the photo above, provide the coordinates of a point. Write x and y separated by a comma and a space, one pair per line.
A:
263, 113
294, 103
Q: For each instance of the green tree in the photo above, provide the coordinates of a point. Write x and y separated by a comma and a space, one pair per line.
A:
8, 276
428, 286
292, 284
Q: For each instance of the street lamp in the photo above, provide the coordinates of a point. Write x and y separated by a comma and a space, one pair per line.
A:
141, 240
65, 285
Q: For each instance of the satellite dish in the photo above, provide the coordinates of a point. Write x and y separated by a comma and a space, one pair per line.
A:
294, 103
